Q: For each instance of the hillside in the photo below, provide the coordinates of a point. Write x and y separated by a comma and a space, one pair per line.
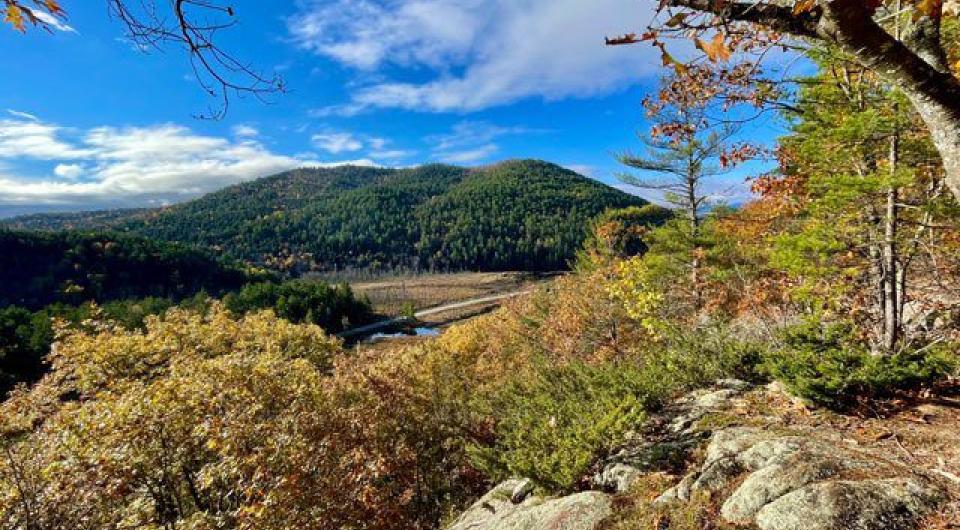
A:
37, 269
514, 215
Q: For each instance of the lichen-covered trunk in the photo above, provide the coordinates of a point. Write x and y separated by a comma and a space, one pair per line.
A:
917, 65
943, 121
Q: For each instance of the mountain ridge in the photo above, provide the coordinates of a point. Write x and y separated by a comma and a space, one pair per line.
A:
515, 214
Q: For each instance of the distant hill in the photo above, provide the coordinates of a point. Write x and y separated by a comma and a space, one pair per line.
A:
37, 269
522, 214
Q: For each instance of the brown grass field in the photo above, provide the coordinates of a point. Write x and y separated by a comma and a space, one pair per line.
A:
395, 295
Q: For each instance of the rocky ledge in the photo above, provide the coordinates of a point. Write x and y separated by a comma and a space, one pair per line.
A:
806, 482
771, 479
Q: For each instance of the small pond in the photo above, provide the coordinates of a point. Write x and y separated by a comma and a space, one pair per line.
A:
413, 332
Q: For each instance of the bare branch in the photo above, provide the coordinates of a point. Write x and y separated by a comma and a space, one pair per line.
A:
194, 24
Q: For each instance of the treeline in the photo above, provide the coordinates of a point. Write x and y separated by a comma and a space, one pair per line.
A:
38, 269
528, 215
75, 277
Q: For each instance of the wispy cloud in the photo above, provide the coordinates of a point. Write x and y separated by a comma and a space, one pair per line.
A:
336, 143
583, 169
380, 149
468, 156
22, 115
482, 52
471, 141
30, 138
54, 22
130, 165
245, 131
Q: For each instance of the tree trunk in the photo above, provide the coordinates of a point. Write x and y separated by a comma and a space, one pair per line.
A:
694, 214
892, 323
943, 121
917, 66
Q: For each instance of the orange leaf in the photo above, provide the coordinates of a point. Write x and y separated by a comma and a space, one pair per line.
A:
14, 17
927, 8
669, 60
803, 6
53, 7
717, 49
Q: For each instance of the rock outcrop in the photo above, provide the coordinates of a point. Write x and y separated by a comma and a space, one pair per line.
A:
805, 481
665, 442
504, 508
771, 479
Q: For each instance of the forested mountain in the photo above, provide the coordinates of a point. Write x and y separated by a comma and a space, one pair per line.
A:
514, 215
37, 269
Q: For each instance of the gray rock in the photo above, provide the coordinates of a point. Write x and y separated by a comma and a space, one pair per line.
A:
772, 482
888, 504
617, 477
680, 492
521, 491
495, 511
735, 384
792, 482
731, 442
766, 452
717, 474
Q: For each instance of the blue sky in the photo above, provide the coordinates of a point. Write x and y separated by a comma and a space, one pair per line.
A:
89, 121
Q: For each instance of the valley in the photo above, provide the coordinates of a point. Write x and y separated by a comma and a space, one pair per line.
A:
480, 265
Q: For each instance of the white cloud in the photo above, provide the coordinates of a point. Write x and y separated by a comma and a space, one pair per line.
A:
68, 171
30, 138
380, 150
583, 169
471, 141
245, 131
481, 53
22, 115
336, 142
54, 22
468, 156
132, 165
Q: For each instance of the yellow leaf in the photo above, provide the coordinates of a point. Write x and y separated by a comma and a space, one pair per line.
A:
15, 17
669, 60
717, 49
803, 6
927, 8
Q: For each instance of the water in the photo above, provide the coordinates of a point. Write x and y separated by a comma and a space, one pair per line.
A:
415, 332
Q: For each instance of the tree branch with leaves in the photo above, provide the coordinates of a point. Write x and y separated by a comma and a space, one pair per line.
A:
914, 60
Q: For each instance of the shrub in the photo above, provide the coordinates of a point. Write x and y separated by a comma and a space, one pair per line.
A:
700, 356
553, 426
828, 365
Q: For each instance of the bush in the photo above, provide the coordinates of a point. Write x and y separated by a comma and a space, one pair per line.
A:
826, 364
553, 426
692, 358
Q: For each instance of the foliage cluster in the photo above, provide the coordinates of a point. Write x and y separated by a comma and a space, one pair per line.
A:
39, 269
551, 427
25, 336
205, 421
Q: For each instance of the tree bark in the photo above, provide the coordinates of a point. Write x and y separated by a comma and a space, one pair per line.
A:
920, 72
891, 268
693, 210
